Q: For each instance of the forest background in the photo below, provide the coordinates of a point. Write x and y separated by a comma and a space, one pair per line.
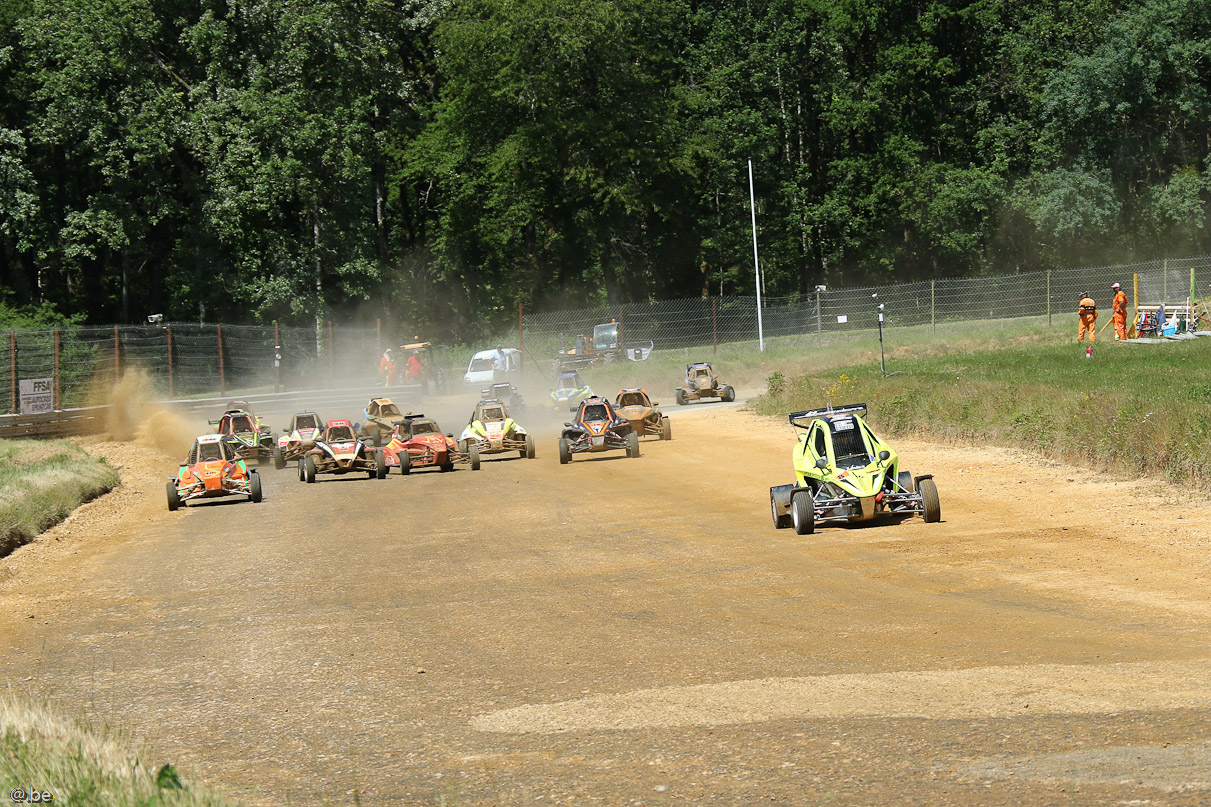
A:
433, 163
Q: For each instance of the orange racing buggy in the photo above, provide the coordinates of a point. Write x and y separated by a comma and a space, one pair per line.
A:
340, 451
418, 442
597, 427
643, 413
211, 470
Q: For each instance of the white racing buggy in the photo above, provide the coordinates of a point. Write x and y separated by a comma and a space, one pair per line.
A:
492, 431
843, 472
340, 451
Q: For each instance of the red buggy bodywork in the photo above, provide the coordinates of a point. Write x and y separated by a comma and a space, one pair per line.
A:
212, 469
418, 442
340, 451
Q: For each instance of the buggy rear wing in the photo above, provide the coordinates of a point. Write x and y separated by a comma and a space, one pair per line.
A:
812, 414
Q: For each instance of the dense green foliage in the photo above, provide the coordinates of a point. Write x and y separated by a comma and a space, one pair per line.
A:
435, 162
1134, 409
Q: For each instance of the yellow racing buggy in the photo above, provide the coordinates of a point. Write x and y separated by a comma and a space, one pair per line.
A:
844, 472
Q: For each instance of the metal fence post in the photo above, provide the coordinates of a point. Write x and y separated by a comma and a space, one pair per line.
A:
222, 377
331, 358
521, 338
714, 325
56, 368
277, 356
12, 365
933, 323
819, 322
117, 357
1048, 298
169, 332
1165, 280
621, 331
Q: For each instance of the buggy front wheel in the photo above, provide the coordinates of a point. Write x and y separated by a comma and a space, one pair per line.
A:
931, 506
174, 498
405, 462
531, 448
565, 451
308, 469
254, 488
473, 453
380, 465
633, 445
803, 514
904, 480
781, 520
666, 429
279, 462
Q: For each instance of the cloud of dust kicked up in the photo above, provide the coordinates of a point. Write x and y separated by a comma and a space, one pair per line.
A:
132, 417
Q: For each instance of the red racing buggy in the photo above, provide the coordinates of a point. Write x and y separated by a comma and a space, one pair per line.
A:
418, 442
340, 451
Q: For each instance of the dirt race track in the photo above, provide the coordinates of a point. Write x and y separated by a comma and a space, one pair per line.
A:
634, 631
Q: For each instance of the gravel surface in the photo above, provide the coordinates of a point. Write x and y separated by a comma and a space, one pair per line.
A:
634, 631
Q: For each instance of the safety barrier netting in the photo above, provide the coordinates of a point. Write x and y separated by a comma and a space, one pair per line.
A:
697, 322
185, 359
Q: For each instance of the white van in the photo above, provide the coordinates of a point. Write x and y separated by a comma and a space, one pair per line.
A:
486, 366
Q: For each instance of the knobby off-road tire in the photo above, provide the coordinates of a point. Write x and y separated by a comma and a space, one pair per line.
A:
632, 445
904, 479
473, 454
531, 448
174, 499
380, 465
803, 514
729, 394
308, 470
666, 429
254, 488
929, 498
302, 476
462, 447
679, 396
405, 462
279, 462
565, 451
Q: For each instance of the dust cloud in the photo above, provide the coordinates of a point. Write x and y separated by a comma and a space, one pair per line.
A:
132, 417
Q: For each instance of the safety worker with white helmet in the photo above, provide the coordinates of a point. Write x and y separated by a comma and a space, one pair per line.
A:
1119, 307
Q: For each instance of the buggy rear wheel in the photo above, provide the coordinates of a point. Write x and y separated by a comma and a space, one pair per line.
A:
254, 488
632, 445
279, 462
929, 501
565, 451
666, 429
531, 448
781, 520
803, 513
309, 469
174, 498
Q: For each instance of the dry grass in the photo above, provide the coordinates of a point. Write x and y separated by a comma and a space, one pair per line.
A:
41, 483
81, 764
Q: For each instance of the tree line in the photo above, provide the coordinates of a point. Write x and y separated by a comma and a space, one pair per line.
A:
436, 162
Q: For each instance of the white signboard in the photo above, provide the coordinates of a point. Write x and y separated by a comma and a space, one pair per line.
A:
37, 395
842, 319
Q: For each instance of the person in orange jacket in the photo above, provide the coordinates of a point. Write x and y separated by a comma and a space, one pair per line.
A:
386, 367
1087, 316
1119, 307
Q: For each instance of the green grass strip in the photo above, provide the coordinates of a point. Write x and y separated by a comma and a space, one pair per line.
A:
41, 482
1133, 409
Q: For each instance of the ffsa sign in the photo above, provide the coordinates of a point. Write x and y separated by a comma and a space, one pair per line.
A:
37, 395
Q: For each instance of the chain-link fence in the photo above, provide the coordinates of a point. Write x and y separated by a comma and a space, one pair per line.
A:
697, 322
186, 359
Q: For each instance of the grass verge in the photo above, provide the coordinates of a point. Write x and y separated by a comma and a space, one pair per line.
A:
41, 482
79, 765
1133, 409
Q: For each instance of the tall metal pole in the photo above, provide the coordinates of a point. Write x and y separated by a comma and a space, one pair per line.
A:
819, 325
222, 375
715, 325
1048, 298
752, 200
56, 368
521, 338
882, 360
168, 330
117, 357
12, 365
277, 355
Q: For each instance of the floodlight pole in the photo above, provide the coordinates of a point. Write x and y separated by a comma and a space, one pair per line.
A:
752, 200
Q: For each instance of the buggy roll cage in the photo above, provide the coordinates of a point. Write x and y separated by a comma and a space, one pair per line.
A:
814, 414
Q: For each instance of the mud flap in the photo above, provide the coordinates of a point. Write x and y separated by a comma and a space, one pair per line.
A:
869, 508
780, 495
